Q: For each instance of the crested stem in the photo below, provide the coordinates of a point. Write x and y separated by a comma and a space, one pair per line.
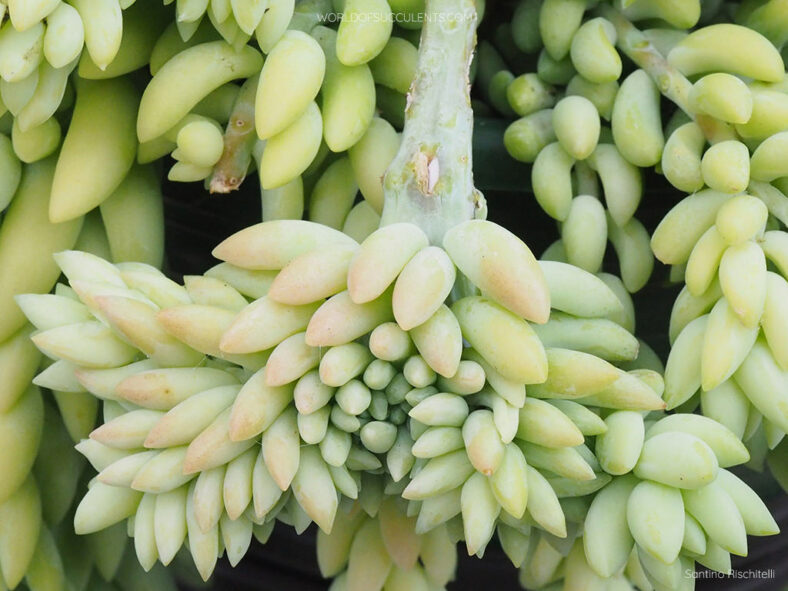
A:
430, 181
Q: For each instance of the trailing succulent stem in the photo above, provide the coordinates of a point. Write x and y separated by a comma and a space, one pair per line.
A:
239, 139
671, 83
430, 181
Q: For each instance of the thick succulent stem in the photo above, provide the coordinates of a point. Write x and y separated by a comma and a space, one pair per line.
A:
239, 139
671, 83
430, 181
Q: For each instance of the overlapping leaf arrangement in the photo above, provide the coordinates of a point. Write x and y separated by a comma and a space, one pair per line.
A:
374, 381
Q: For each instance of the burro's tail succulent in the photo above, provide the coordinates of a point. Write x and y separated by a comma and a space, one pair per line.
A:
379, 389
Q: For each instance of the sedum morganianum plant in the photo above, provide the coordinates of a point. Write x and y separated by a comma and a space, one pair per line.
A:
429, 385
592, 120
